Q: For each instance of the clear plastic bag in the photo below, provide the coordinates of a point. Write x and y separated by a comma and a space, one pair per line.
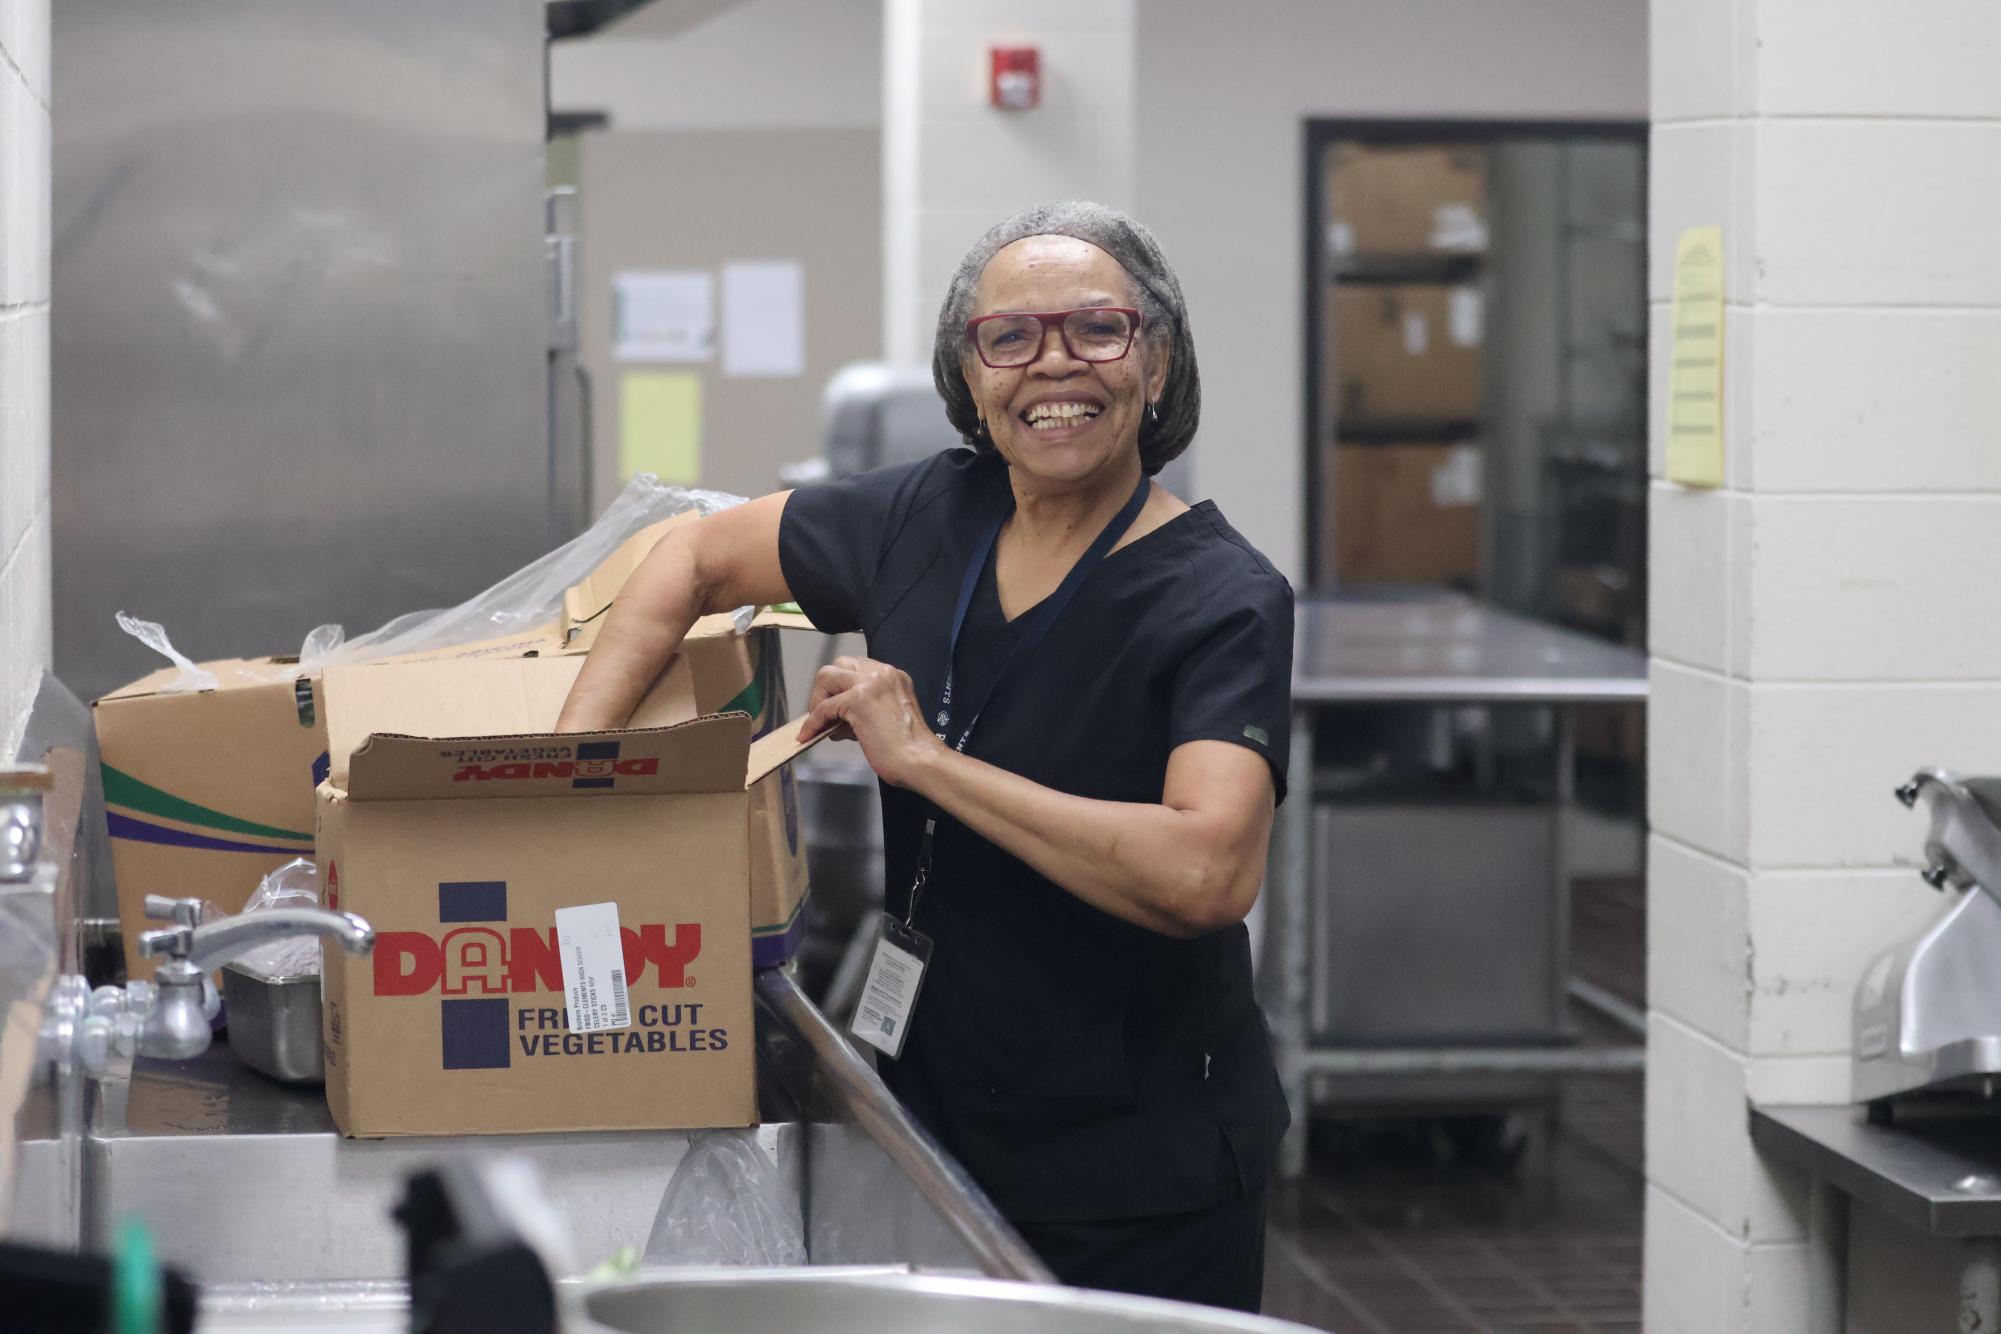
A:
296, 884
728, 1204
154, 636
531, 596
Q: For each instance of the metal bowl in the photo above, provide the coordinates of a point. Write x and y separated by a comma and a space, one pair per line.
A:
805, 1301
274, 1023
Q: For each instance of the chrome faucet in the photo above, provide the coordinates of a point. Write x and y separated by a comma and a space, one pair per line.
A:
169, 1017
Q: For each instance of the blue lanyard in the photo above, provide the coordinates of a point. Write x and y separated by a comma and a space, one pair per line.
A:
1041, 621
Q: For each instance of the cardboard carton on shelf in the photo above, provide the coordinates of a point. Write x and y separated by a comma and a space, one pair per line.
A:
1404, 352
209, 791
471, 837
1402, 514
1404, 200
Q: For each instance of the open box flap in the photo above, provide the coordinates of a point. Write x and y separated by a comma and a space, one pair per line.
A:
705, 755
586, 602
487, 697
776, 748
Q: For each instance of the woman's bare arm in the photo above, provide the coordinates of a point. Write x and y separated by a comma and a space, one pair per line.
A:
1186, 865
718, 563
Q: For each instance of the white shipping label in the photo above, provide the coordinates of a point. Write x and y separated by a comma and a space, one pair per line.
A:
1468, 316
1416, 334
593, 967
1459, 480
883, 1018
1458, 227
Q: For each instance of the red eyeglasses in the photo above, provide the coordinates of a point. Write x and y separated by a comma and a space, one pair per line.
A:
1013, 339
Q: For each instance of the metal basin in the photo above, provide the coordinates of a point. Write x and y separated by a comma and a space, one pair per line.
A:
242, 1179
805, 1302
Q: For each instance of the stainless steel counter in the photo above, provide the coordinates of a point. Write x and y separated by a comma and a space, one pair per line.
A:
1939, 1174
1934, 1171
1445, 648
1426, 648
245, 1181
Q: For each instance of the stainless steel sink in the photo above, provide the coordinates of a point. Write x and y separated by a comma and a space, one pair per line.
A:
243, 1179
856, 1300
794, 1301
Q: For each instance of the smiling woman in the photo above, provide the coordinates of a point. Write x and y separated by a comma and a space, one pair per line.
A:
1077, 700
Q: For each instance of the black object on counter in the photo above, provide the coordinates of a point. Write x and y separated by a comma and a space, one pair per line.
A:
470, 1271
65, 1292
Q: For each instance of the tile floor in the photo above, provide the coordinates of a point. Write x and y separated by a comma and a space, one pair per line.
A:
1398, 1228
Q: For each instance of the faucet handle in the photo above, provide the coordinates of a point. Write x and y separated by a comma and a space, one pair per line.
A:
185, 912
174, 942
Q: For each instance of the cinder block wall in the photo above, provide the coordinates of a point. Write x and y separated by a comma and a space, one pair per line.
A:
24, 359
1826, 623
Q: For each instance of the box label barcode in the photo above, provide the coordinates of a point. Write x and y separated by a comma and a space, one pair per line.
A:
593, 956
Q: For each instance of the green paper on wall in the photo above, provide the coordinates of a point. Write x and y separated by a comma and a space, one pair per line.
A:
660, 426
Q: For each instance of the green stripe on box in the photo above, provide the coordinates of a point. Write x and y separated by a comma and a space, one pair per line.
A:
784, 926
122, 789
749, 700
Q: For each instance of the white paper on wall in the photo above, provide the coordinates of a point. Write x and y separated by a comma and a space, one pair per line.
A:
664, 315
764, 318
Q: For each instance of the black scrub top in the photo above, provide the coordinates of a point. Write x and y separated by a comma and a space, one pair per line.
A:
1081, 1067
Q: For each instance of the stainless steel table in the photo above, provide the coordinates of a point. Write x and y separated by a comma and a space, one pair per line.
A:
1436, 649
1936, 1172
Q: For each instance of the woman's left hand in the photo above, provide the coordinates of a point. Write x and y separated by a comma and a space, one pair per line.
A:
875, 704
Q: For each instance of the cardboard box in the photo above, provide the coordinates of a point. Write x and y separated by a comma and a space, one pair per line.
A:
1404, 352
1424, 199
209, 792
1404, 514
459, 825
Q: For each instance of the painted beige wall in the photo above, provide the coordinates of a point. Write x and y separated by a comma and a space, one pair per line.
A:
766, 63
1222, 91
700, 199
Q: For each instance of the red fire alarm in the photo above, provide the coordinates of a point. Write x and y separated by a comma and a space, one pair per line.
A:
1017, 77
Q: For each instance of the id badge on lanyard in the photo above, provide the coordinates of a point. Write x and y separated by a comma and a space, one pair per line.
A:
895, 976
902, 952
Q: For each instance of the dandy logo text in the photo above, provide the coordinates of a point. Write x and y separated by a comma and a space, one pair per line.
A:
491, 978
477, 960
474, 773
593, 764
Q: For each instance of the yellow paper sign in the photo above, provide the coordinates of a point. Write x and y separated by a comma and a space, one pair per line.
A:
1695, 373
660, 426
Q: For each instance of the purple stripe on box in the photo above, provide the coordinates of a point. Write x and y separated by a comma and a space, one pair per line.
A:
472, 900
770, 951
140, 831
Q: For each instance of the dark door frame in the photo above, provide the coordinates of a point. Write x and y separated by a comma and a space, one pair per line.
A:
1316, 134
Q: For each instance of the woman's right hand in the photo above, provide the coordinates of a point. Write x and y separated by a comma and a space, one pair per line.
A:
724, 561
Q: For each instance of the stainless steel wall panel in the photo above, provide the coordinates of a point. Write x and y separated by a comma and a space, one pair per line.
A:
301, 324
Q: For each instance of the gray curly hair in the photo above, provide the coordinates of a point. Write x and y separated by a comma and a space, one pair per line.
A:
1163, 321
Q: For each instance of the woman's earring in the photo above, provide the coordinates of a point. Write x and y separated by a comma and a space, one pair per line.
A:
1153, 413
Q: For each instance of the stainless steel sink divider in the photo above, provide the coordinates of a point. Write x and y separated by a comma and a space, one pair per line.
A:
855, 1091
